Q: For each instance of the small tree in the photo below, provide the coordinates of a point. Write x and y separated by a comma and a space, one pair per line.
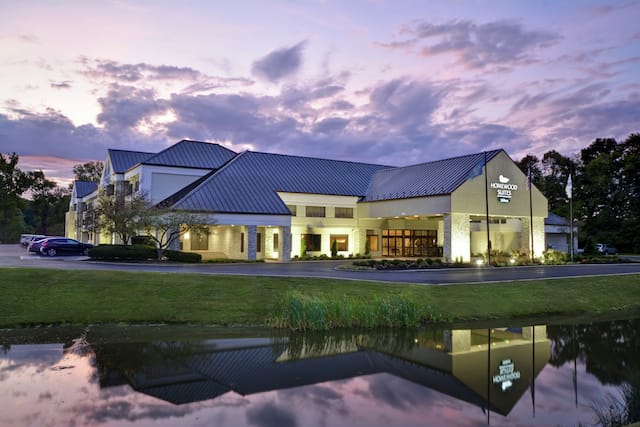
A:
334, 249
165, 226
120, 215
367, 248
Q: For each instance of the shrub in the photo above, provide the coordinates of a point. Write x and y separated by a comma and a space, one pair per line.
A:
182, 256
122, 252
555, 257
143, 240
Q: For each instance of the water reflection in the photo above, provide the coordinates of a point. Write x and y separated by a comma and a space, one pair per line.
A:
532, 375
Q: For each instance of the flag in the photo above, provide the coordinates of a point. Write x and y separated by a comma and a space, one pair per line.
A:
569, 188
476, 171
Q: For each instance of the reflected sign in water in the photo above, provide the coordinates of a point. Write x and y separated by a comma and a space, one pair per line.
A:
532, 375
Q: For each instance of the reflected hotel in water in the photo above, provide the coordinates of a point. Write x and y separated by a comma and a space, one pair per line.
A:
489, 368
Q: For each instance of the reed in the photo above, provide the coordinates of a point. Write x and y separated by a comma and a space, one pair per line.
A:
299, 311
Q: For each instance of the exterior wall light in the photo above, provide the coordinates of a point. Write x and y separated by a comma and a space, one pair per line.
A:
187, 236
479, 262
512, 261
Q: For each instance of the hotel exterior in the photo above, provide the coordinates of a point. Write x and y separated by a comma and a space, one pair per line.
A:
272, 206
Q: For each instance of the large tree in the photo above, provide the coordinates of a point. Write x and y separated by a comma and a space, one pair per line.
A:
13, 183
89, 171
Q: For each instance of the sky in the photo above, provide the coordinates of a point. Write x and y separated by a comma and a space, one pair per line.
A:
376, 81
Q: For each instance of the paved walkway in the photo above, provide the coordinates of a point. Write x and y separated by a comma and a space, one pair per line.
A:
16, 256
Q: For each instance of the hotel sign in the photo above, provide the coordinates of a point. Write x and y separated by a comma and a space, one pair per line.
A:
506, 374
504, 189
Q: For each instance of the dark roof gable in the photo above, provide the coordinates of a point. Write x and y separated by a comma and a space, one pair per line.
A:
426, 179
249, 183
122, 160
192, 154
83, 188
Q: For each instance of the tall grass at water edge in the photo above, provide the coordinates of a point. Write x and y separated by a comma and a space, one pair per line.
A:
298, 311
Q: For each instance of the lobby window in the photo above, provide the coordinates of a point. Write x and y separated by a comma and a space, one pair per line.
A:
293, 209
275, 242
315, 211
312, 242
372, 238
241, 242
259, 242
342, 241
344, 212
200, 240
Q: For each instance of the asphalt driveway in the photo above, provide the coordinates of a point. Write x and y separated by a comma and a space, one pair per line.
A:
16, 256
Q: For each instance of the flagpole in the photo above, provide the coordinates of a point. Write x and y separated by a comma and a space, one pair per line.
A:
571, 216
569, 190
531, 214
486, 204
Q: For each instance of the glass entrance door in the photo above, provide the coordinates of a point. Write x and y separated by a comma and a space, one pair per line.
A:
410, 243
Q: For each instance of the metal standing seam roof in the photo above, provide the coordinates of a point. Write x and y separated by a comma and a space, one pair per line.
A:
122, 160
554, 219
192, 154
83, 188
426, 179
249, 183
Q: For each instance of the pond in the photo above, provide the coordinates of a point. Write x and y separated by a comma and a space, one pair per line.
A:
545, 375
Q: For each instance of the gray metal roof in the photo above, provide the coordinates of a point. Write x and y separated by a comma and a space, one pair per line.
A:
122, 160
554, 219
192, 154
84, 187
248, 183
426, 179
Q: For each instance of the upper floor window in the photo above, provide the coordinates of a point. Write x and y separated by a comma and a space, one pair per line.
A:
315, 211
344, 212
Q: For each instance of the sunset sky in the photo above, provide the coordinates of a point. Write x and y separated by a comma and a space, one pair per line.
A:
392, 82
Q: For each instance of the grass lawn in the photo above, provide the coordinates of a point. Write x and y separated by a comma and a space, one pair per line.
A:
42, 297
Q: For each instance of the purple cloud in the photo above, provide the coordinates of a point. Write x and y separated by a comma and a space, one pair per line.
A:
476, 45
279, 63
125, 106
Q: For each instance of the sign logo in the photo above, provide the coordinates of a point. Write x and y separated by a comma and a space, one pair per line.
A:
507, 374
504, 189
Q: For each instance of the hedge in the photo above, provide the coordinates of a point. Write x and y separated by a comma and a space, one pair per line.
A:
131, 252
182, 256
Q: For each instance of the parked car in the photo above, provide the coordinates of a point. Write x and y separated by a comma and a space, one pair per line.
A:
63, 246
605, 249
34, 245
25, 239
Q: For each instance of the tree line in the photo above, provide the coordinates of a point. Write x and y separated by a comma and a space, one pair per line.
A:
605, 194
31, 203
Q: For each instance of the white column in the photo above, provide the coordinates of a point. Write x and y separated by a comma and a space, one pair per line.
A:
252, 242
284, 244
457, 237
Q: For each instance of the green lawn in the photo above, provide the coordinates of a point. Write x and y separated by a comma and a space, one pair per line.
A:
39, 296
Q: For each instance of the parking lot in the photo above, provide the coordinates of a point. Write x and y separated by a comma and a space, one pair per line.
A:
16, 256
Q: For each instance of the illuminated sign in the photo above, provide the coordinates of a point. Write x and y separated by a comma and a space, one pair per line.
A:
507, 374
504, 189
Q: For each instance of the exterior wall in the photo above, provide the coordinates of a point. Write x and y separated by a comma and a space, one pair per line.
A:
436, 205
160, 182
325, 226
226, 236
470, 196
515, 234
